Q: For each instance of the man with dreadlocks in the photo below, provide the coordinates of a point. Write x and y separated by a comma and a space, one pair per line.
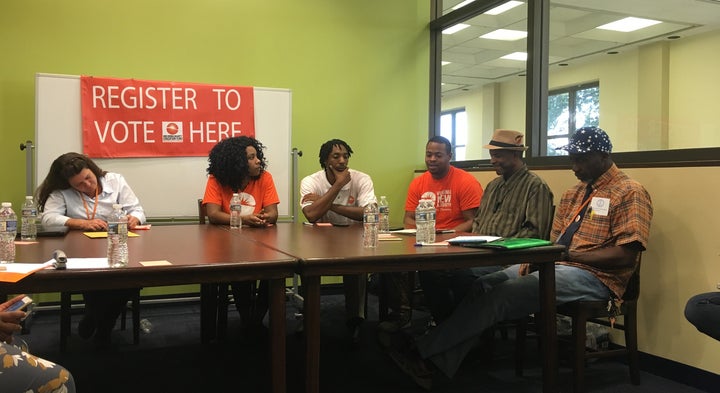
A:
337, 195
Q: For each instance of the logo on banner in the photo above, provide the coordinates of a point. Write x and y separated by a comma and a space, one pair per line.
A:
172, 132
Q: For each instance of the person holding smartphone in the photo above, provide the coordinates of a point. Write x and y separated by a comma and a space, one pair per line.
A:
21, 371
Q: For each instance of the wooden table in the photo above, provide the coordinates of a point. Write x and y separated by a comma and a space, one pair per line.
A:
325, 251
202, 254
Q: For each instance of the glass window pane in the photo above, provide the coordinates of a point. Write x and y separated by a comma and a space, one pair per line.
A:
461, 128
446, 124
476, 77
637, 70
554, 143
558, 114
587, 107
459, 154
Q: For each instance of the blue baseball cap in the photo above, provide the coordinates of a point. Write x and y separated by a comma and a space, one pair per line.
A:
588, 139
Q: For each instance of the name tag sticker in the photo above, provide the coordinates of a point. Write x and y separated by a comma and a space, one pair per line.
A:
600, 206
155, 263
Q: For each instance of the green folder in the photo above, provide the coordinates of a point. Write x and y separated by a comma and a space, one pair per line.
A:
514, 243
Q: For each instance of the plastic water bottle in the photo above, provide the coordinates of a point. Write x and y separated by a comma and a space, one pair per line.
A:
235, 209
117, 249
430, 215
146, 326
384, 208
28, 230
421, 222
8, 231
371, 225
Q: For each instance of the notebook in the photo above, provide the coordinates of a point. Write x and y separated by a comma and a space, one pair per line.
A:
472, 240
51, 231
512, 243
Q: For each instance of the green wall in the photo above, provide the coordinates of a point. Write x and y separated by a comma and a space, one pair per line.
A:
358, 70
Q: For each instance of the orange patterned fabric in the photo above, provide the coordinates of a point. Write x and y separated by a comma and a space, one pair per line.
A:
23, 372
627, 221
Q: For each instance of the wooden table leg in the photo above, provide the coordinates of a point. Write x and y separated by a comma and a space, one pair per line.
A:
277, 335
548, 327
208, 312
311, 312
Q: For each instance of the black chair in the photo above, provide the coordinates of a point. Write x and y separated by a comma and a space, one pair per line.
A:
582, 312
221, 293
66, 314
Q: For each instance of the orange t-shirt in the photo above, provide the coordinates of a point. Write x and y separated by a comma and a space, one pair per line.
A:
260, 192
454, 193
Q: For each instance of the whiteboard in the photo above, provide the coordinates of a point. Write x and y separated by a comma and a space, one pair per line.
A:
168, 187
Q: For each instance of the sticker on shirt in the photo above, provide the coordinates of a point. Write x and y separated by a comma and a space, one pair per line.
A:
600, 206
344, 199
247, 203
429, 195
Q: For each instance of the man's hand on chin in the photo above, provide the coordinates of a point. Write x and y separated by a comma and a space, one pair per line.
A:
342, 176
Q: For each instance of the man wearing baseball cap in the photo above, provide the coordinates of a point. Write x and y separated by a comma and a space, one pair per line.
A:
604, 221
518, 203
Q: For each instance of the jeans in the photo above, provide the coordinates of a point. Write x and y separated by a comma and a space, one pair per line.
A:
703, 311
497, 297
443, 290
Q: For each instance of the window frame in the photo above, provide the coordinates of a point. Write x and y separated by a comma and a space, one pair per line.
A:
572, 106
537, 93
454, 112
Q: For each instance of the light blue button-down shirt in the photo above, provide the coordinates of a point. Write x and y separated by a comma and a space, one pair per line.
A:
63, 205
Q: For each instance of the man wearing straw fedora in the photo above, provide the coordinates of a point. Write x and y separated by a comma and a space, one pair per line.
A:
518, 203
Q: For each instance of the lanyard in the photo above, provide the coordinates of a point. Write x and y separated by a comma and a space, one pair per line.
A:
577, 212
87, 210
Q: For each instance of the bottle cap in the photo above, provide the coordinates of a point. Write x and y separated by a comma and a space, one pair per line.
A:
117, 206
6, 204
28, 197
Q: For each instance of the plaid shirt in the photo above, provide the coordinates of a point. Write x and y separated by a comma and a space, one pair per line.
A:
627, 221
520, 206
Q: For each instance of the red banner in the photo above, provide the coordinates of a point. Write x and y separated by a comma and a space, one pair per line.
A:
137, 118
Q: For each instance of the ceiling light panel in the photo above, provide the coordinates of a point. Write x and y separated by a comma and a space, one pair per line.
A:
462, 4
504, 7
629, 24
505, 35
455, 29
520, 56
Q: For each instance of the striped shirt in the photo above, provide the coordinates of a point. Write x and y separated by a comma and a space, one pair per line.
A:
521, 206
627, 221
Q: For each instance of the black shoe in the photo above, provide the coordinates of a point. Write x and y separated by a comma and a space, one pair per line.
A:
413, 365
431, 325
86, 327
397, 321
354, 325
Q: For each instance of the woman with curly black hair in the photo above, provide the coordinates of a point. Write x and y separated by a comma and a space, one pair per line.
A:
237, 165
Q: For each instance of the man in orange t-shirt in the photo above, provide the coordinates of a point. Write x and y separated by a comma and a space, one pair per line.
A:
456, 196
455, 193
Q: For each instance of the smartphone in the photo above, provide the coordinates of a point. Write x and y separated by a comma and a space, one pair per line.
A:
21, 304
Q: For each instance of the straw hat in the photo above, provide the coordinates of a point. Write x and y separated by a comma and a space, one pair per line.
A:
507, 140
